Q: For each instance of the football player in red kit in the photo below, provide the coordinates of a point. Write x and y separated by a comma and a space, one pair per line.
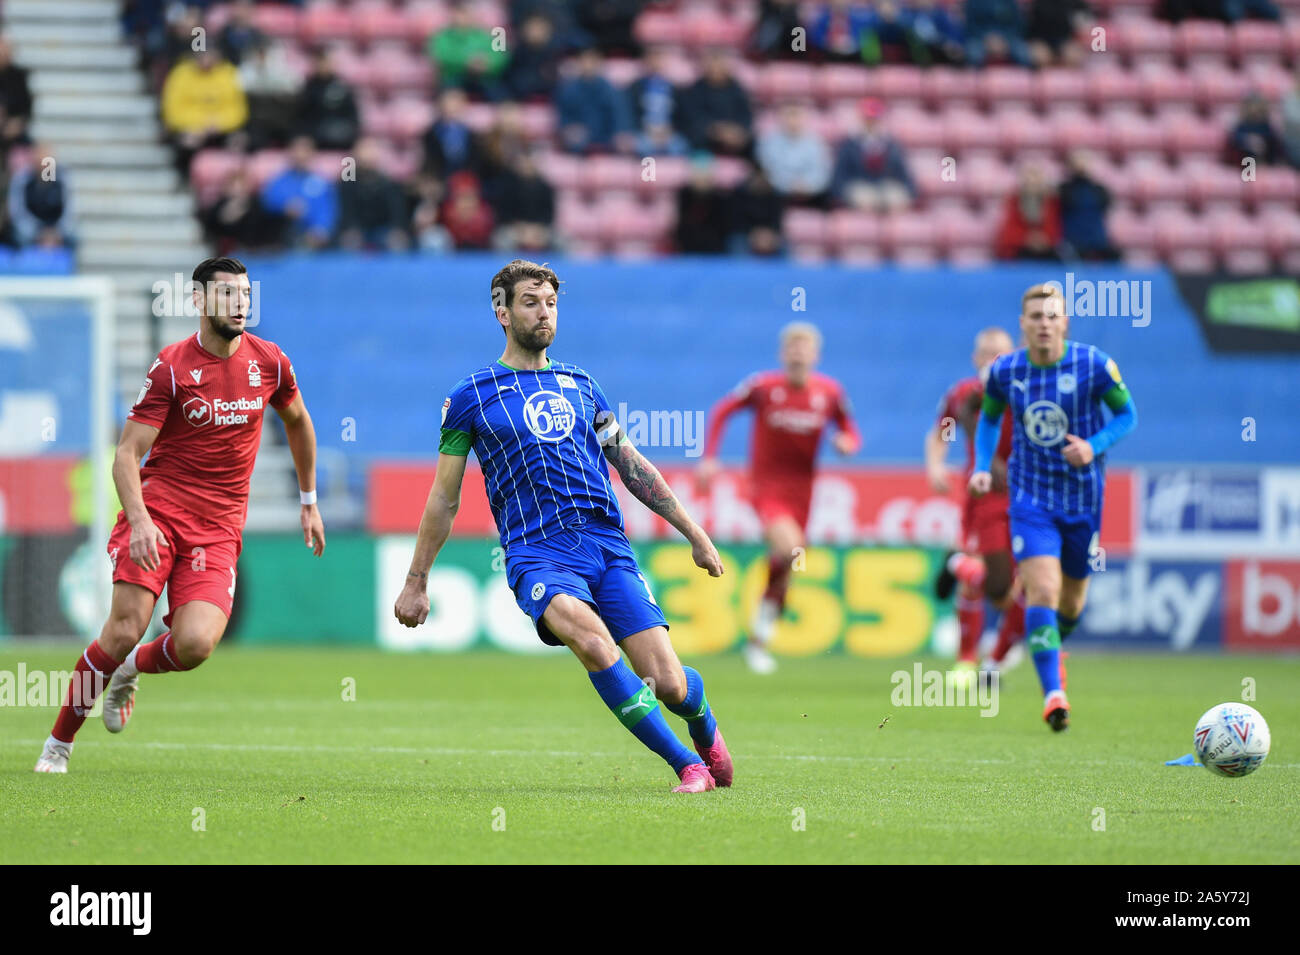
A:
791, 410
983, 565
199, 420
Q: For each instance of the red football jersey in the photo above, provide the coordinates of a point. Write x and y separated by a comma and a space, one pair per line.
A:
208, 411
962, 404
788, 422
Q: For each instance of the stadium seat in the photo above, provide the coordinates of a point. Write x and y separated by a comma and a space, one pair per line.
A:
1130, 131
997, 84
1176, 229
1140, 39
710, 26
326, 21
1017, 128
1054, 87
1215, 84
1251, 38
1131, 231
807, 227
658, 27
1234, 231
775, 82
1112, 85
399, 70
916, 129
379, 20
896, 83
209, 171
834, 82
282, 22
576, 217
944, 86
1247, 262
409, 117
539, 121
849, 228
1186, 132
423, 18
1159, 83
1191, 260
1203, 41
1068, 129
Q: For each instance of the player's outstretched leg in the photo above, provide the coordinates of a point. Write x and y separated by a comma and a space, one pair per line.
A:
631, 701
127, 620
1044, 640
197, 627
680, 689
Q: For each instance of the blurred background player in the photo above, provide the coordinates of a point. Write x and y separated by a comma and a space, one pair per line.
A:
545, 436
791, 410
983, 566
1056, 476
199, 419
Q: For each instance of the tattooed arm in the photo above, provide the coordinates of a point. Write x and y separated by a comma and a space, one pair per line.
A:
649, 487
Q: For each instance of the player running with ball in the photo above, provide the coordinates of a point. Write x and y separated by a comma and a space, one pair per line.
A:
544, 435
199, 419
1056, 475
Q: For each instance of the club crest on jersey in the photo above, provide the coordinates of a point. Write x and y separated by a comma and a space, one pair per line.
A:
254, 374
1045, 423
1066, 384
549, 416
565, 381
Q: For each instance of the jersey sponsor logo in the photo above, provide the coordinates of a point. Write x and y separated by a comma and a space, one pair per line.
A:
199, 412
1066, 384
254, 374
1045, 423
197, 375
565, 381
549, 416
797, 420
144, 390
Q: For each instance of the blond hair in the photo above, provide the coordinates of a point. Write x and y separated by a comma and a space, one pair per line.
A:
801, 330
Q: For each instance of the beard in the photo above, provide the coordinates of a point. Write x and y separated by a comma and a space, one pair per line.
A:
228, 332
534, 340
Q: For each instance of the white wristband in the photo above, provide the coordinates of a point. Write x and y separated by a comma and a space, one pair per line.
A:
307, 497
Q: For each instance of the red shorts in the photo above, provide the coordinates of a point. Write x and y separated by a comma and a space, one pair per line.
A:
985, 526
191, 569
773, 500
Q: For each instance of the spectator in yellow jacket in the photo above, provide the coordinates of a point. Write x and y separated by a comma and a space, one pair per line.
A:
203, 103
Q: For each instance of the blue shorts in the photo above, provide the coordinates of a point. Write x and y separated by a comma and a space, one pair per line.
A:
594, 564
1072, 538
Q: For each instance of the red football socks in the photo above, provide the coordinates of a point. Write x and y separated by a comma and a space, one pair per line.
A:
159, 656
88, 680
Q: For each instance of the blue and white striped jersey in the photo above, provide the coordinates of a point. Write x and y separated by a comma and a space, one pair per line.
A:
1047, 403
534, 436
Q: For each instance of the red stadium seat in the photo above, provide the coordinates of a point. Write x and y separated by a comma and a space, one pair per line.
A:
266, 163
1212, 181
424, 18
539, 121
895, 83
833, 82
1130, 231
1247, 262
409, 117
1130, 131
1018, 128
325, 21
209, 171
1185, 132
806, 253
943, 86
1112, 85
849, 228
1176, 229
1274, 184
399, 70
621, 71
1192, 261
986, 178
1271, 79
915, 128
1282, 230
1074, 129
999, 84
1254, 37
1140, 39
561, 170
806, 227
784, 81
1054, 86
278, 21
910, 231
1215, 84
379, 20
1161, 84
1202, 40
1291, 27
659, 27
968, 129
576, 217
709, 26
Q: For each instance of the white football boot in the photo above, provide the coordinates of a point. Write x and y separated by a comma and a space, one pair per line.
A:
54, 757
119, 701
759, 659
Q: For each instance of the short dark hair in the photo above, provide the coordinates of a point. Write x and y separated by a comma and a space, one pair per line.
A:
517, 271
204, 271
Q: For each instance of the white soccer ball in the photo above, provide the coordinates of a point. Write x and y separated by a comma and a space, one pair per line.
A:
1231, 739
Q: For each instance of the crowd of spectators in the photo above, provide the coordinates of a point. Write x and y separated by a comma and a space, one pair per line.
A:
483, 189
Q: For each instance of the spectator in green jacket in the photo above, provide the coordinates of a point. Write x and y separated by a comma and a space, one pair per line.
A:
468, 56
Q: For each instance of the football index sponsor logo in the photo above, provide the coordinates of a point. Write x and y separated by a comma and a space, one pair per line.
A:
199, 412
131, 909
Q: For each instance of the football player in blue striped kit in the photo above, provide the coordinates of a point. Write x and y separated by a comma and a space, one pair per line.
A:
1056, 477
545, 435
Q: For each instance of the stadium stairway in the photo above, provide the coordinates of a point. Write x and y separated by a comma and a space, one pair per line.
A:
136, 219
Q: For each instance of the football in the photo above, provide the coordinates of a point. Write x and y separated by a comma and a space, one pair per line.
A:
1231, 739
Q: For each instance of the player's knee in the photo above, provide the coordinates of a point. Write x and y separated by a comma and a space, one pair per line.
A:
996, 587
121, 633
670, 685
1071, 605
192, 648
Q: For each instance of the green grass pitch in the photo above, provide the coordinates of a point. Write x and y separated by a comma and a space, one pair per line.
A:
487, 757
